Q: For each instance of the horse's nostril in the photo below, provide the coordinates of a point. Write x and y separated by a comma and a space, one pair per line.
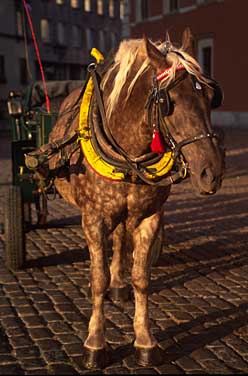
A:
207, 176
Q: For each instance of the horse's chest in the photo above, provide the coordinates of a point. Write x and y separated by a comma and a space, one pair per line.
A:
146, 200
119, 200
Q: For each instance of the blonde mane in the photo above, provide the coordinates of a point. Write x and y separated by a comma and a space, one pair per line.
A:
134, 49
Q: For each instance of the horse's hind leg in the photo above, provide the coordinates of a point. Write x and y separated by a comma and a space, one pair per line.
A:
95, 355
118, 287
147, 352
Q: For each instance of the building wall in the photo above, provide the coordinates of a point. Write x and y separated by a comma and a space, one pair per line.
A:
60, 61
223, 21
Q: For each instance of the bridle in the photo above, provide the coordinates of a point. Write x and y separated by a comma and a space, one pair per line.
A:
155, 106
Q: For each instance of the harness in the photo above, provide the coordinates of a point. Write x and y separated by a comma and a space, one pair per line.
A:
105, 156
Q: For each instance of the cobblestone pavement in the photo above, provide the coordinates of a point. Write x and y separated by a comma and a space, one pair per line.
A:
199, 289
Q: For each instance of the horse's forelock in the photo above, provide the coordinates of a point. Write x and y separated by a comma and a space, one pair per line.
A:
125, 58
128, 53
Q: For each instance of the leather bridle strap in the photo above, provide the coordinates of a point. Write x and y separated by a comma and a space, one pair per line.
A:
180, 145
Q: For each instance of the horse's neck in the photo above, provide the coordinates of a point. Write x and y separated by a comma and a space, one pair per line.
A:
129, 123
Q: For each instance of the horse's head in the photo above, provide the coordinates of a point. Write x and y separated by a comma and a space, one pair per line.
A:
145, 73
187, 99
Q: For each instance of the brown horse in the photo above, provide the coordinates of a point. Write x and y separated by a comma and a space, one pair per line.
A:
140, 95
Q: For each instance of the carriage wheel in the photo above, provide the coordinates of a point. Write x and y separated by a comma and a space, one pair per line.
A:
14, 229
157, 247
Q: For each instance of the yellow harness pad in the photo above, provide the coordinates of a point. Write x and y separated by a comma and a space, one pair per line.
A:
100, 166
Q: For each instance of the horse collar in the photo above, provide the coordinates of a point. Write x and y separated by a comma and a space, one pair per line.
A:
153, 171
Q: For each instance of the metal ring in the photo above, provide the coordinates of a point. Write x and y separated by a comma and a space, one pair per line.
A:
91, 67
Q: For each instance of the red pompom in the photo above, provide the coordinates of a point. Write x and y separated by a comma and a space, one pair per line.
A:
157, 145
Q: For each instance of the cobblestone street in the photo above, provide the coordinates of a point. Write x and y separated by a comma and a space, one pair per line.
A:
198, 294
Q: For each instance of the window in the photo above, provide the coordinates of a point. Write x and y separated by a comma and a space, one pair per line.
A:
101, 41
75, 72
203, 1
76, 36
89, 39
45, 31
19, 23
2, 69
142, 10
122, 9
113, 39
207, 60
205, 55
75, 4
174, 5
171, 6
100, 7
111, 8
87, 5
23, 72
61, 33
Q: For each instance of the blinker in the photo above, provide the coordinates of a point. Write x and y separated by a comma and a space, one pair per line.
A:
218, 96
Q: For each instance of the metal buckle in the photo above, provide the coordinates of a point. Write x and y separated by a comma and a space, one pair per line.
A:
184, 169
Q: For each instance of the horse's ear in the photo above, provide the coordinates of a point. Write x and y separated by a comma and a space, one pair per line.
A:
188, 42
157, 59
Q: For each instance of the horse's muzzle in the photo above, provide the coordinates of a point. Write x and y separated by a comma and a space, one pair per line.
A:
210, 181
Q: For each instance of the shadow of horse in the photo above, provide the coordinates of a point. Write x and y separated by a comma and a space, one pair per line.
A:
205, 265
190, 342
63, 258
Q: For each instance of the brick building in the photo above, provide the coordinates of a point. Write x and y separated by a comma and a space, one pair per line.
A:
66, 31
220, 42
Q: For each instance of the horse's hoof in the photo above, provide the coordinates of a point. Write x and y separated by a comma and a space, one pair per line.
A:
95, 358
149, 356
121, 294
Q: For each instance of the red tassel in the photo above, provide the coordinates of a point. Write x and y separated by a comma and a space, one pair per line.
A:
157, 145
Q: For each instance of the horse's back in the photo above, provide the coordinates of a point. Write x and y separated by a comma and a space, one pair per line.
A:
63, 125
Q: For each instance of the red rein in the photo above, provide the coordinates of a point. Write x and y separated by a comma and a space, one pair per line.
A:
38, 56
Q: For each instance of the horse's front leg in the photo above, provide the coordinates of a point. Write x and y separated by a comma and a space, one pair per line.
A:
95, 355
147, 352
118, 286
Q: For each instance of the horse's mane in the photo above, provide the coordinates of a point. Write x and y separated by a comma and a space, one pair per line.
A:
133, 50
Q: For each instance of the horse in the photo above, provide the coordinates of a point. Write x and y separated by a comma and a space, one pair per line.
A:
150, 92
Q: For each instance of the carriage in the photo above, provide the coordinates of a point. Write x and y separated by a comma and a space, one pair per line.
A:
30, 128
